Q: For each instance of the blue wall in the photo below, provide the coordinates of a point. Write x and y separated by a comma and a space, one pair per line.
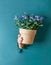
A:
40, 52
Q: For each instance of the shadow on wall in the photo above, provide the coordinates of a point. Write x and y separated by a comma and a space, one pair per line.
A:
43, 32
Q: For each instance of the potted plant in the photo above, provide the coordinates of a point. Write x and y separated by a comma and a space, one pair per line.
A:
28, 26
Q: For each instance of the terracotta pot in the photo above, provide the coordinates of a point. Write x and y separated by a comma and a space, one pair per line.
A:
28, 35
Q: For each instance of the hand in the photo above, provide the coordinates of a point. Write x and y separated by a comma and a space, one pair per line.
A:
20, 40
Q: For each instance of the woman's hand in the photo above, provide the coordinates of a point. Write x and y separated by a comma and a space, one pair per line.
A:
20, 40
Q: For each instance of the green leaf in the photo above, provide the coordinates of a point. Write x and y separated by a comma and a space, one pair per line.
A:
35, 23
41, 25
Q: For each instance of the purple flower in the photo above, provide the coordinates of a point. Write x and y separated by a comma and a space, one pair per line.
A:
32, 17
16, 18
24, 16
41, 18
37, 18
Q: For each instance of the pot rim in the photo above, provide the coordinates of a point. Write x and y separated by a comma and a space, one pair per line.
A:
28, 29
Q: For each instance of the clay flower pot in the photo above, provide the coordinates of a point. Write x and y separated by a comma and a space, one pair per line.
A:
28, 35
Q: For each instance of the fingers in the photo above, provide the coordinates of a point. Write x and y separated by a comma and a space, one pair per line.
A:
19, 35
20, 38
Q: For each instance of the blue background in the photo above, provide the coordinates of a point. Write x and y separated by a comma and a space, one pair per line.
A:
40, 52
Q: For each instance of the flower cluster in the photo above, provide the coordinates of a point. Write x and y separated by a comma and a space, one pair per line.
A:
29, 21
